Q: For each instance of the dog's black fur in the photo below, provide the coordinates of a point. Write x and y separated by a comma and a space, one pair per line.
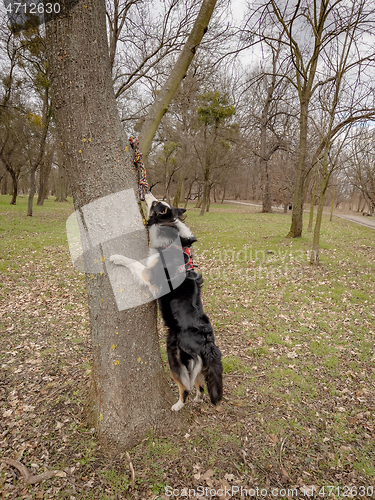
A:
190, 334
192, 354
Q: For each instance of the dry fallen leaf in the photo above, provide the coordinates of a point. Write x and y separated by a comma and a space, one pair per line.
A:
273, 438
60, 473
207, 474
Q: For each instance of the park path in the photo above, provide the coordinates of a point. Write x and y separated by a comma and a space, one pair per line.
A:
358, 219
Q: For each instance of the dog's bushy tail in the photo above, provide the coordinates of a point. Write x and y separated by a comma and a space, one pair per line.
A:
213, 372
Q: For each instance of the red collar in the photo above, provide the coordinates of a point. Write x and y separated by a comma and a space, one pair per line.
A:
189, 266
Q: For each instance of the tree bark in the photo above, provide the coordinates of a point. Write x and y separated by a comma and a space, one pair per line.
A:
223, 197
188, 195
32, 191
208, 202
62, 180
130, 392
314, 257
312, 203
4, 184
165, 95
297, 211
333, 200
265, 155
179, 192
266, 203
206, 190
47, 108
15, 189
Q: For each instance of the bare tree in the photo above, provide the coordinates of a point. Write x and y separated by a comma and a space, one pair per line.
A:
11, 121
165, 95
360, 166
344, 101
268, 111
142, 36
34, 63
310, 30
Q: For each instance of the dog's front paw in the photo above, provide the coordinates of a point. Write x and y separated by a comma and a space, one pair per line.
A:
117, 259
177, 406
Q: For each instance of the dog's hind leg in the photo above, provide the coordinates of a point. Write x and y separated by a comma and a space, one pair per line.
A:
199, 384
182, 390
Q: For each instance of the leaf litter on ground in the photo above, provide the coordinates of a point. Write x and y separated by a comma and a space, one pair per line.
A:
297, 341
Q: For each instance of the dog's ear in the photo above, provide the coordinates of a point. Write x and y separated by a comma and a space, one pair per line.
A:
178, 212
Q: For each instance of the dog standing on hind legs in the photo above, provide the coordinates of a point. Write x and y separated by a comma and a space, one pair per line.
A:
193, 357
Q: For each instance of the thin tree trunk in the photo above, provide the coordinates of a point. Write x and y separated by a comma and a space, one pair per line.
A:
130, 392
199, 200
223, 197
62, 180
14, 190
359, 202
165, 95
312, 203
178, 195
264, 156
206, 190
188, 195
44, 173
42, 146
208, 204
31, 192
333, 200
4, 184
266, 201
168, 179
314, 257
182, 191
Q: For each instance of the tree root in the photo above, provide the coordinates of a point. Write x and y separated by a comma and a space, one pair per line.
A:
27, 476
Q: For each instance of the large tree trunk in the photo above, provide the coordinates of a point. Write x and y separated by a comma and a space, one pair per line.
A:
131, 394
297, 212
165, 95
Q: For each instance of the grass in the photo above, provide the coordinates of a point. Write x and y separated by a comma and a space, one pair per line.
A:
298, 353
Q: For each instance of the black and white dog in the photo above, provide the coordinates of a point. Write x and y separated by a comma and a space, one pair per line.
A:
192, 354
